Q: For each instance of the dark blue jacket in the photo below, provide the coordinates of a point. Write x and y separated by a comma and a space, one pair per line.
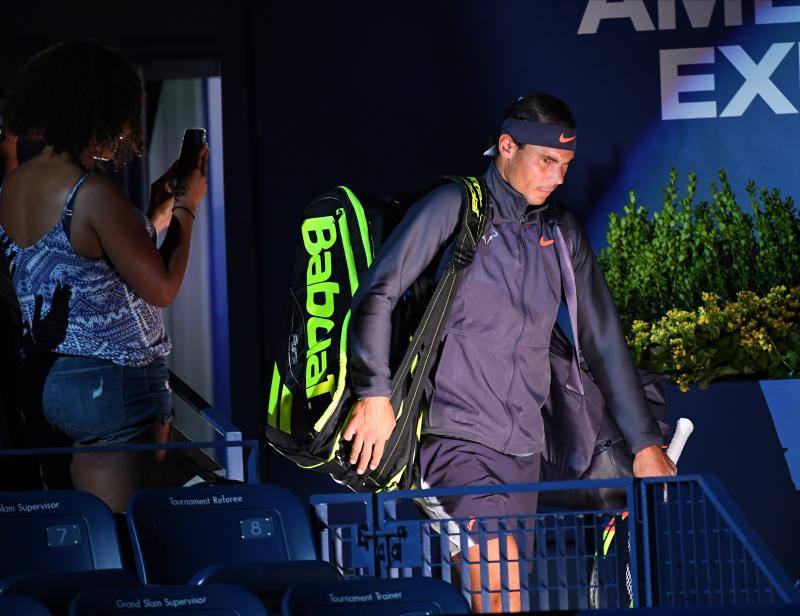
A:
493, 372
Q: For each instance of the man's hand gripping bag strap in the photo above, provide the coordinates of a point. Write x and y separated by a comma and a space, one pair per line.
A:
398, 468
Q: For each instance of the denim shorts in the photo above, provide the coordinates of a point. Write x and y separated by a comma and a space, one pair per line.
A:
95, 400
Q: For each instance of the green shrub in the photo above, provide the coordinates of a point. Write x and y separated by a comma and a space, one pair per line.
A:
669, 272
655, 264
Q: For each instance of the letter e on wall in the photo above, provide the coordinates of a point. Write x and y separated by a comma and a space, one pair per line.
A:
672, 84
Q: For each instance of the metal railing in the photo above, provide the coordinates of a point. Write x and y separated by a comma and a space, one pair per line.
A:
229, 457
678, 541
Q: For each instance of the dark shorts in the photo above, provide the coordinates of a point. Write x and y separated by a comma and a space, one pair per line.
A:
448, 462
95, 400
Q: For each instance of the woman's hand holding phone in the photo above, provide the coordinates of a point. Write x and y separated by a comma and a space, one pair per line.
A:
162, 199
184, 183
196, 182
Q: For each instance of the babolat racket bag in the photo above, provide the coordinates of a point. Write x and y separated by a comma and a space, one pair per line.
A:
309, 395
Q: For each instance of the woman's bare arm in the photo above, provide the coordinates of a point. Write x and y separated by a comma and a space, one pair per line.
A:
154, 274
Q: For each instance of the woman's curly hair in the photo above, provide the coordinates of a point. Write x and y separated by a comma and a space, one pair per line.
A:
76, 96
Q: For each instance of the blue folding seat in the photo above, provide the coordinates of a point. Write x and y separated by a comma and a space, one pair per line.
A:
56, 589
24, 606
213, 599
387, 597
176, 532
56, 530
268, 581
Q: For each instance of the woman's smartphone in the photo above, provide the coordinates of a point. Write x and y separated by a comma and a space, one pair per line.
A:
193, 141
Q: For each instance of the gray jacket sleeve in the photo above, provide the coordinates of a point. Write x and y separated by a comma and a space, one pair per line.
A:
427, 226
605, 348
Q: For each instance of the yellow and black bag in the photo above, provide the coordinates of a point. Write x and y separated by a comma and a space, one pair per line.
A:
309, 395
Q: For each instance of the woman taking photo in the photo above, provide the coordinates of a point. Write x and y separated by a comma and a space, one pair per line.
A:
84, 262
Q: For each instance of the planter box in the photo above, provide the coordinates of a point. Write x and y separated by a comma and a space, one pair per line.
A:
747, 434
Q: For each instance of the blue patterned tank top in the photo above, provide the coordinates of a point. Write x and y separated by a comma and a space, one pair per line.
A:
78, 306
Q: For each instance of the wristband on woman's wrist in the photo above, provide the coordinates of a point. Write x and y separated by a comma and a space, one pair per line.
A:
183, 207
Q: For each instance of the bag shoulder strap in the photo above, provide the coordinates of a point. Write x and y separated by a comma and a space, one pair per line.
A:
575, 379
474, 207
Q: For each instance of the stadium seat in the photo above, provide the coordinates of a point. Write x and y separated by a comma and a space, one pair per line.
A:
213, 599
176, 532
24, 606
56, 530
387, 597
268, 581
56, 590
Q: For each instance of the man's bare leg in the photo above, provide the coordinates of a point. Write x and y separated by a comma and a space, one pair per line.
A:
494, 570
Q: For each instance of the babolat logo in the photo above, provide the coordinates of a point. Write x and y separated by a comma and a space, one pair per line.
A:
319, 235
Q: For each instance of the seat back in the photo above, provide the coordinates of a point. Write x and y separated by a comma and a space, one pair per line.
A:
211, 600
56, 530
268, 581
56, 589
19, 604
388, 597
176, 532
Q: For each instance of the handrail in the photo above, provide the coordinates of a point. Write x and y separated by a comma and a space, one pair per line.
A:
252, 445
234, 463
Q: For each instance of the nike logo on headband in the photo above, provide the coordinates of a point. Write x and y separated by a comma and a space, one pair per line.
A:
536, 133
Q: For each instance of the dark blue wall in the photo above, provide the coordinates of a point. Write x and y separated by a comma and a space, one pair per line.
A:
736, 440
383, 96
